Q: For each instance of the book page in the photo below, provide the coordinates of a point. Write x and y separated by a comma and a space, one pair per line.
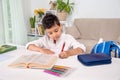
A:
42, 61
22, 61
41, 58
35, 61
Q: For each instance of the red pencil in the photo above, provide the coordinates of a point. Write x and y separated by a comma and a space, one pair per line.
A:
63, 47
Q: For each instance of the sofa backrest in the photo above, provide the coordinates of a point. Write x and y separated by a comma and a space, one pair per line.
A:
108, 29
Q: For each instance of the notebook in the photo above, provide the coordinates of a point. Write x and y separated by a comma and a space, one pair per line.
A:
6, 48
94, 59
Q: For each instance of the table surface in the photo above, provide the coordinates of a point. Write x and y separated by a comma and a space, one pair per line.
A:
81, 72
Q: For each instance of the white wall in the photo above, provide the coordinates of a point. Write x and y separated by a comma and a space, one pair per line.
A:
35, 4
87, 8
82, 8
97, 9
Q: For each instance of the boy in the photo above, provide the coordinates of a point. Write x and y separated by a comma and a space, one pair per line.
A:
55, 41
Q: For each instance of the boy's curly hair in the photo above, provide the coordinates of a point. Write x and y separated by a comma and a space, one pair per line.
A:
50, 20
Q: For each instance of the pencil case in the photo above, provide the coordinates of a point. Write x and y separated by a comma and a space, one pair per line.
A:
94, 59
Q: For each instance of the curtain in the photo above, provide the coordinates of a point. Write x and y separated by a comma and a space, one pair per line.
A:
1, 25
14, 25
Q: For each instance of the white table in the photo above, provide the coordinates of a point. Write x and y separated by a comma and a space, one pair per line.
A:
81, 72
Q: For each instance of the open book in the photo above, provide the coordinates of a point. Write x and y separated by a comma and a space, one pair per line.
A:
43, 61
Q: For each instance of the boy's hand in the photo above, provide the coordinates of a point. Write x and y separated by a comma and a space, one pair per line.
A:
47, 51
63, 55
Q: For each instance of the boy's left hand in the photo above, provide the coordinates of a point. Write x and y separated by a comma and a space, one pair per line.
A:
63, 55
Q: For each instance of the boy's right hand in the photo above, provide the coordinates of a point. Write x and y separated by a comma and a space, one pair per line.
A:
47, 51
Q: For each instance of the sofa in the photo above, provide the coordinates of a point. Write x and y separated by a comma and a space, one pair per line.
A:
89, 30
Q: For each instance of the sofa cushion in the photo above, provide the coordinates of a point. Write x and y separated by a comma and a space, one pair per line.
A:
88, 29
108, 29
88, 43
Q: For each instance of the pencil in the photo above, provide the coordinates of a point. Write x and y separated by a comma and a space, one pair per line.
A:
63, 47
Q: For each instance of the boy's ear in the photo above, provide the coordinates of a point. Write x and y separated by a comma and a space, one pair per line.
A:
61, 26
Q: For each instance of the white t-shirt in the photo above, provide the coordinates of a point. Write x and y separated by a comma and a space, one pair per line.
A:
46, 42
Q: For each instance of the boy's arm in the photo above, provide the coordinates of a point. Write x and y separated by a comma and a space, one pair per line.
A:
71, 52
33, 47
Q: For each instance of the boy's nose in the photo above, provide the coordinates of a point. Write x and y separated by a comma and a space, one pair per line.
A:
54, 35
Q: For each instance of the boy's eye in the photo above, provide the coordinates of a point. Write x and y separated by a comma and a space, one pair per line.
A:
56, 30
50, 33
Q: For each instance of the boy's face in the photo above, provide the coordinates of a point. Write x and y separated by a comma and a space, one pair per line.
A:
54, 32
